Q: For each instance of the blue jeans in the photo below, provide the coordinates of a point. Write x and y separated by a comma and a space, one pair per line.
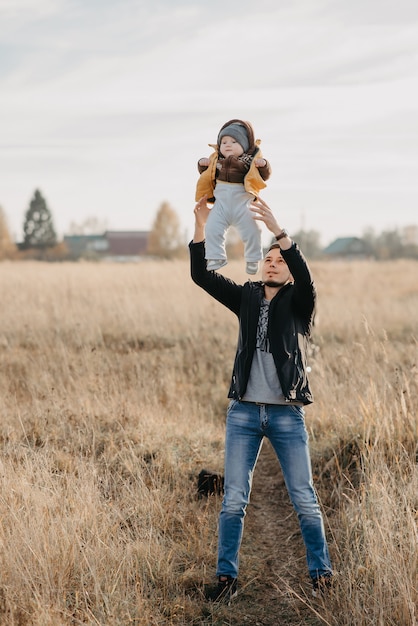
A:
247, 424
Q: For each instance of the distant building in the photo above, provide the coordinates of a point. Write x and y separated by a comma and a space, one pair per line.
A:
85, 246
126, 245
113, 245
348, 248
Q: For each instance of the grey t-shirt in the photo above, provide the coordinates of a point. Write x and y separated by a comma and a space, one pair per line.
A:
263, 383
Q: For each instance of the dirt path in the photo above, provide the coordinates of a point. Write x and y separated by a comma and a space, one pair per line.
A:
274, 551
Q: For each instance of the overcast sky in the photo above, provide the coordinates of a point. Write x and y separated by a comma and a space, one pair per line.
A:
106, 106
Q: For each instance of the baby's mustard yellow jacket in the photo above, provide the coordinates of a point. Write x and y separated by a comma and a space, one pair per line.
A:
253, 182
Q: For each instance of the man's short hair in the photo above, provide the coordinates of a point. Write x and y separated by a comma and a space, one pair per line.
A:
273, 246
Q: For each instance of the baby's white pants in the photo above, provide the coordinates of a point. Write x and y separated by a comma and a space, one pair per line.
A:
231, 208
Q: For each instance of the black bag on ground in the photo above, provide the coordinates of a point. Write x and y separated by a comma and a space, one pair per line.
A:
209, 484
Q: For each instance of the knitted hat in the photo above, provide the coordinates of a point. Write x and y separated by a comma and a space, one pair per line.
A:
238, 132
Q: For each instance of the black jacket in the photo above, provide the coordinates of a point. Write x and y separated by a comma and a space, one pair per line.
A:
289, 324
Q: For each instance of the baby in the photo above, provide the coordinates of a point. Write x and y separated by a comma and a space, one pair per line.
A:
231, 178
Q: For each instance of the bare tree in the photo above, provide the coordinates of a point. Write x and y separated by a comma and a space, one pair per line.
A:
309, 242
165, 239
7, 247
90, 226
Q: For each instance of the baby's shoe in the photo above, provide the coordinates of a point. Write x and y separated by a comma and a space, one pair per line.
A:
252, 267
215, 264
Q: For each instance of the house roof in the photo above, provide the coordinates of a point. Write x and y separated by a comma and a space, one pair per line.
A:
347, 246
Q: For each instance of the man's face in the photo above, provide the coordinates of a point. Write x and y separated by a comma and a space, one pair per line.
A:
274, 272
230, 147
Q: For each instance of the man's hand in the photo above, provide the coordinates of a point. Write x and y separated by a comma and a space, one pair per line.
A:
263, 213
201, 213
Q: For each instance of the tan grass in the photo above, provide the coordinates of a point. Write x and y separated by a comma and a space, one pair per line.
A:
113, 382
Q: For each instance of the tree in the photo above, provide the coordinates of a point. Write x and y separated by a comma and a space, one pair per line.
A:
90, 226
165, 239
410, 241
370, 237
38, 226
7, 247
309, 242
389, 245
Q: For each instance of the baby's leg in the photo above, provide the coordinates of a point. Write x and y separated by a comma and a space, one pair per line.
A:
250, 233
215, 232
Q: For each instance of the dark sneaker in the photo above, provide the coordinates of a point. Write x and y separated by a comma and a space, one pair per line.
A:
224, 591
321, 585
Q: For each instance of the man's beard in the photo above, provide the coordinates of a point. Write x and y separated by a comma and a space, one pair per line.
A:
274, 283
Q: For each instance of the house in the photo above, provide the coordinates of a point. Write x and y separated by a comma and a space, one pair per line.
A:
126, 245
112, 245
348, 248
85, 246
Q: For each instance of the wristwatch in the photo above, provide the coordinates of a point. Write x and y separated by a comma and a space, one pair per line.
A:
282, 234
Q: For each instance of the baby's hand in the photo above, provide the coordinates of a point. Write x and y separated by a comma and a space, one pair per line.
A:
260, 162
204, 162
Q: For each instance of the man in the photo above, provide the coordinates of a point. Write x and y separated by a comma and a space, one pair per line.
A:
268, 391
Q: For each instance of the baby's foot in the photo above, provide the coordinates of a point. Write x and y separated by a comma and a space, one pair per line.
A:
215, 264
252, 267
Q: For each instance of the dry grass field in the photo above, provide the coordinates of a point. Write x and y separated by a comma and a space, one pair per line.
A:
113, 383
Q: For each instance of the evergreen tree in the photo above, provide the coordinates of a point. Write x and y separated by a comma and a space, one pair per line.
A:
38, 226
165, 239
